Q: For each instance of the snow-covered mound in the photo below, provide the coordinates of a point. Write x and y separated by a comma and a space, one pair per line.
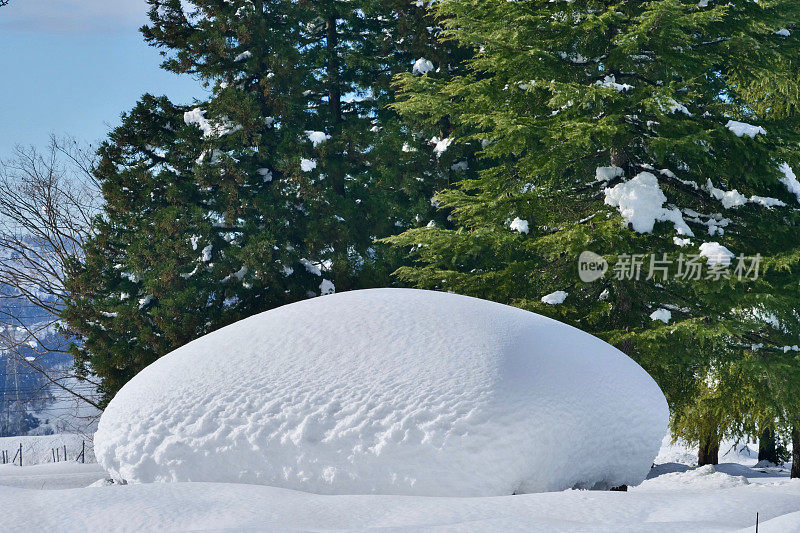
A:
389, 391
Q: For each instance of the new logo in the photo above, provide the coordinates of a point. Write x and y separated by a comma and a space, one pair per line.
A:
591, 266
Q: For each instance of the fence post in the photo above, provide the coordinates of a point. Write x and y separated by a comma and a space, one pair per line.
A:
20, 454
53, 453
83, 451
65, 452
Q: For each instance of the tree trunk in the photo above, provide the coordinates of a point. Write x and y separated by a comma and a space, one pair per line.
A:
335, 169
767, 447
618, 158
795, 451
333, 152
709, 452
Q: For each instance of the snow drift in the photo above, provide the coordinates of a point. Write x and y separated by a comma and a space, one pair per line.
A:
389, 391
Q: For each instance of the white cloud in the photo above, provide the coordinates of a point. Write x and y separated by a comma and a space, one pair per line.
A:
73, 16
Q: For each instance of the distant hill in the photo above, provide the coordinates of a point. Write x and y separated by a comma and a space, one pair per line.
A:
29, 403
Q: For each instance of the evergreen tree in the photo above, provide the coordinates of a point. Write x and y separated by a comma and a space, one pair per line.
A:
273, 190
624, 128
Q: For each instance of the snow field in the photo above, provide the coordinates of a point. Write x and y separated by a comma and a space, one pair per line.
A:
653, 507
40, 449
51, 476
676, 497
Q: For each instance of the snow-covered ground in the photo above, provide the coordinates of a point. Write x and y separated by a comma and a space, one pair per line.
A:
40, 449
744, 453
64, 475
678, 498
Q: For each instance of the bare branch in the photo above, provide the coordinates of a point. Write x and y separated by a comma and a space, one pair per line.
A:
48, 201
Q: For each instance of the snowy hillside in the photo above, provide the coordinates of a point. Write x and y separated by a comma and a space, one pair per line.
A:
389, 391
30, 346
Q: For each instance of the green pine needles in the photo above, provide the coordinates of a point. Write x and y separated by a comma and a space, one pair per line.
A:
273, 190
625, 128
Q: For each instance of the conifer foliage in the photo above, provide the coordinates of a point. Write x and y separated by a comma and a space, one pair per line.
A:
273, 190
632, 130
662, 136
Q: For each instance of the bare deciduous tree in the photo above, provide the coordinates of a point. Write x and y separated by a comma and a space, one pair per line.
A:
47, 202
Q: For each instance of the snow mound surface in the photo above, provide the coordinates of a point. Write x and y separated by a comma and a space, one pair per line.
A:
389, 391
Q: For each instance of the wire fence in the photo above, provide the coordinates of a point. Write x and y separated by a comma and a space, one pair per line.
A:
34, 450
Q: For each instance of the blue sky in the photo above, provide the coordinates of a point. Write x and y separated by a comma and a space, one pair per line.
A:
72, 66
